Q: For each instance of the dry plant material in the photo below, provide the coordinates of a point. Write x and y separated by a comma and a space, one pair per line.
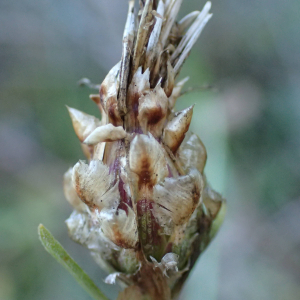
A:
142, 204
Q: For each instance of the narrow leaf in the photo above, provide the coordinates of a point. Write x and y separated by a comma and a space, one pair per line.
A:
59, 253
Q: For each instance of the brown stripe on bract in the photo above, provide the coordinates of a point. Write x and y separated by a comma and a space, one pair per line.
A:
81, 194
151, 234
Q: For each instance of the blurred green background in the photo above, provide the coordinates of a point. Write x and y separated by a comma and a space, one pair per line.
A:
249, 121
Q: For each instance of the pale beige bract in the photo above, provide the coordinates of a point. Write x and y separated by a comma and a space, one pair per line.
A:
141, 202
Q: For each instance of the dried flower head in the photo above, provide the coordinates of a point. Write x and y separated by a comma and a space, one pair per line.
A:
142, 205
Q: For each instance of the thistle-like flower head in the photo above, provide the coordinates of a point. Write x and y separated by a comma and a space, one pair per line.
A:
141, 203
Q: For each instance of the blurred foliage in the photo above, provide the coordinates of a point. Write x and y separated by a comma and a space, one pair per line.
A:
249, 122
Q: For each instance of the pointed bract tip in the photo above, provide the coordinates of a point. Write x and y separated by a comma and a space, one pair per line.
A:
105, 133
83, 123
176, 129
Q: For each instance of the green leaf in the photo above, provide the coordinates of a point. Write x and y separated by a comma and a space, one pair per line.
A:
60, 254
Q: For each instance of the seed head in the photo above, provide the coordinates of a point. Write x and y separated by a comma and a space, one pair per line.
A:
142, 205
